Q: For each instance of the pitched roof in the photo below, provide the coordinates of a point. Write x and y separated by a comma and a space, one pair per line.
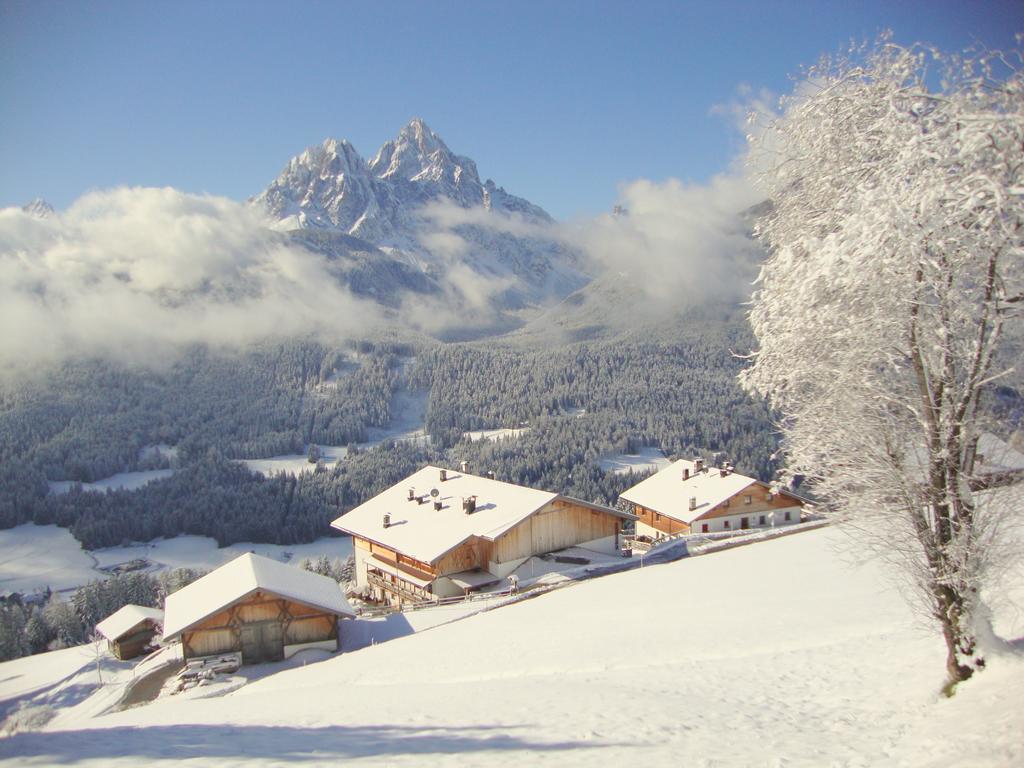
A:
126, 618
424, 533
997, 456
240, 578
667, 493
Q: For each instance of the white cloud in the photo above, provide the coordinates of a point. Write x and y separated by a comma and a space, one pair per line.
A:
131, 273
679, 242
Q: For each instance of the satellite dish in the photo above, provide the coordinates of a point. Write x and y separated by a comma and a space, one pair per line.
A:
434, 493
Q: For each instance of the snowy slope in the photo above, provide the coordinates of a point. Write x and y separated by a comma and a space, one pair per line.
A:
780, 653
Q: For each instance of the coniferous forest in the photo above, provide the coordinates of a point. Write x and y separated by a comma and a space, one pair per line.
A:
89, 420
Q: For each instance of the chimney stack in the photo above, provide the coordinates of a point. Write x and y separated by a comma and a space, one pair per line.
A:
444, 475
698, 464
469, 505
490, 475
387, 520
437, 506
412, 494
465, 467
686, 473
693, 503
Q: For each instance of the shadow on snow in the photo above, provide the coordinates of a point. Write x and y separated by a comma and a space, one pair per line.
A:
262, 742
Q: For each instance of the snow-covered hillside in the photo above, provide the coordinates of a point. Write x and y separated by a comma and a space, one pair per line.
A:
783, 653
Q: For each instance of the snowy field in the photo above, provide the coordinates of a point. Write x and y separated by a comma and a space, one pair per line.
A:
648, 460
408, 409
496, 434
128, 481
296, 463
789, 652
33, 557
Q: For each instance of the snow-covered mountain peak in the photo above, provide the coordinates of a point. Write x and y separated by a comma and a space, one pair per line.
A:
418, 154
39, 208
383, 201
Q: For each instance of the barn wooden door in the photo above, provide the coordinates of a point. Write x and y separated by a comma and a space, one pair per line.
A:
262, 641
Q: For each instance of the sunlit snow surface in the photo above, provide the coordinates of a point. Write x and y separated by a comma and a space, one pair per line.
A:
33, 557
647, 460
128, 481
788, 652
496, 434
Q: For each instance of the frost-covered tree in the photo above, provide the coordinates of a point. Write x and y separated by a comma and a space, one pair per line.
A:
895, 235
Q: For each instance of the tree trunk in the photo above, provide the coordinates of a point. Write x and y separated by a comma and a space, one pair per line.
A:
961, 661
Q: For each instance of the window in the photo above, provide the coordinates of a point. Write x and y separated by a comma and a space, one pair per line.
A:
704, 528
787, 515
726, 523
760, 520
748, 499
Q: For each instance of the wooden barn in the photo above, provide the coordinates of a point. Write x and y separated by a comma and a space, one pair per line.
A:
131, 630
691, 497
442, 533
263, 609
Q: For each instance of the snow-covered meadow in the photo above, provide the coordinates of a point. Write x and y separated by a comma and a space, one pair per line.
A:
34, 557
647, 459
790, 652
127, 481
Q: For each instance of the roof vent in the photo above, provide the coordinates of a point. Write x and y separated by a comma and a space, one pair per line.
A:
387, 520
490, 475
469, 505
464, 466
693, 503
444, 475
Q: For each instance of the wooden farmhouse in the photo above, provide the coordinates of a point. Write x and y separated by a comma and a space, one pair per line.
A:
131, 630
441, 533
690, 497
258, 607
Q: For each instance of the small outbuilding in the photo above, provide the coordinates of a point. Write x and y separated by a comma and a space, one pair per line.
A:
263, 609
131, 630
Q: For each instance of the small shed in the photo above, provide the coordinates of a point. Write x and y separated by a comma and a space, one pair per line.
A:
130, 630
263, 609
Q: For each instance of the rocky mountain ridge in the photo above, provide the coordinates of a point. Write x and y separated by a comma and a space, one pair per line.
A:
421, 202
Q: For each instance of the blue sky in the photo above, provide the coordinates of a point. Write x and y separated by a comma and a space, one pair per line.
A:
559, 102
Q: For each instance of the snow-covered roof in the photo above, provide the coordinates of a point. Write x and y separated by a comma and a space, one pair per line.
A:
667, 493
996, 456
424, 533
127, 618
240, 578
